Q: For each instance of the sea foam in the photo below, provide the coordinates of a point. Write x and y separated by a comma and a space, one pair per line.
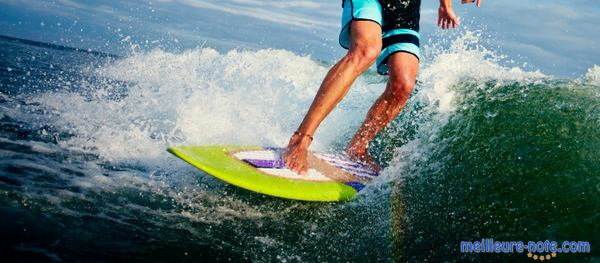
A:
135, 107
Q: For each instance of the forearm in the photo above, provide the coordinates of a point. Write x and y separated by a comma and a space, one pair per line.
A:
446, 3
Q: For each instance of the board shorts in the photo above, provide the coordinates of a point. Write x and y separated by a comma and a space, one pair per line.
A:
399, 21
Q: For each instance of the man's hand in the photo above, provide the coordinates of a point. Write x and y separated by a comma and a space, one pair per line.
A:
477, 2
446, 17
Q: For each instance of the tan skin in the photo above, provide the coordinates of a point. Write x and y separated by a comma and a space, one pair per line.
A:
364, 49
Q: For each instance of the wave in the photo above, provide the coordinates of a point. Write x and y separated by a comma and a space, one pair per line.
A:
475, 140
151, 100
511, 155
593, 75
134, 107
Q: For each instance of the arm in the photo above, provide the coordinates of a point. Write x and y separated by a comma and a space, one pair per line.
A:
446, 16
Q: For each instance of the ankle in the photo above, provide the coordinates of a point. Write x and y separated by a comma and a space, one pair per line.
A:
301, 141
357, 149
303, 135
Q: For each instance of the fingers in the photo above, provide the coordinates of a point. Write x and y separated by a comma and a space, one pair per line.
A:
444, 23
455, 22
477, 2
447, 23
447, 20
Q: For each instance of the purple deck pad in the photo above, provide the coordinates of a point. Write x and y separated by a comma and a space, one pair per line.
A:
351, 167
275, 164
337, 161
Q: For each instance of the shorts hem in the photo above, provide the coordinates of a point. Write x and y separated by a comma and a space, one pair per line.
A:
384, 61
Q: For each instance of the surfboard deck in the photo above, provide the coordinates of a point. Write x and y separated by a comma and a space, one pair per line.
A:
330, 177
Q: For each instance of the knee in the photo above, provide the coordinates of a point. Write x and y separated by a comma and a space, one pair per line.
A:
364, 54
399, 87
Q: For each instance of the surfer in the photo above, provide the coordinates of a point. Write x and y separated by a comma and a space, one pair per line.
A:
381, 31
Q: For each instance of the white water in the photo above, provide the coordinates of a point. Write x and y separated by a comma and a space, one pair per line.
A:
593, 75
148, 101
201, 96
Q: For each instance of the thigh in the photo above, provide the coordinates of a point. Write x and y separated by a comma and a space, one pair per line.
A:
403, 67
365, 33
360, 11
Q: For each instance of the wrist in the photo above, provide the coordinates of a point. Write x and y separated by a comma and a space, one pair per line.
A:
446, 4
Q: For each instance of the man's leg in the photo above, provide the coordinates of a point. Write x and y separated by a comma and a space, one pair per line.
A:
364, 49
403, 69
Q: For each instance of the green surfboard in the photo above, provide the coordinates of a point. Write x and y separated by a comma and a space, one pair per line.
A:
330, 177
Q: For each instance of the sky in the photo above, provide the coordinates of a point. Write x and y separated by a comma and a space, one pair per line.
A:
557, 37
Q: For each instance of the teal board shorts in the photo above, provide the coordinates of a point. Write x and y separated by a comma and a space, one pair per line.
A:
399, 21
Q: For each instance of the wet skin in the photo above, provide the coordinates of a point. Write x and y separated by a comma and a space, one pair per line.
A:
364, 49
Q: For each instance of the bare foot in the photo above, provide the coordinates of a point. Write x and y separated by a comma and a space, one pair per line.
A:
362, 156
296, 153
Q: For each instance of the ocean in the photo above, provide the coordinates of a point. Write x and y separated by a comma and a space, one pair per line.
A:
485, 148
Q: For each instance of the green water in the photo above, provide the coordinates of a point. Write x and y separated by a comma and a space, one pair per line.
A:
515, 162
84, 175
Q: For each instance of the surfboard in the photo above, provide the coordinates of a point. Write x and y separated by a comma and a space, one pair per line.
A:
330, 177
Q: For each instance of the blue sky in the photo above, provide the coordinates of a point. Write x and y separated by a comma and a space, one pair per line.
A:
555, 36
